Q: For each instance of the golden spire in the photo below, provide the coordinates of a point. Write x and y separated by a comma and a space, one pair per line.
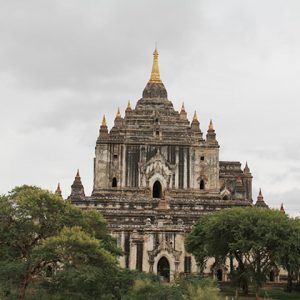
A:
129, 105
155, 76
103, 121
195, 118
211, 126
118, 114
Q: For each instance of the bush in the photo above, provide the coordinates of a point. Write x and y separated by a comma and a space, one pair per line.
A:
191, 288
197, 288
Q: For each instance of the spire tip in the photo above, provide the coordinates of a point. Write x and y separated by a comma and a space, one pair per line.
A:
103, 121
182, 107
118, 114
195, 117
155, 75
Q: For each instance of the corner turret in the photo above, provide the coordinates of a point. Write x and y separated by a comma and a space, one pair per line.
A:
183, 114
77, 189
248, 182
118, 119
260, 201
58, 190
211, 135
103, 132
128, 108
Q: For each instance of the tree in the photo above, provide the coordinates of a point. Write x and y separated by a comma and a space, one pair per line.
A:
42, 233
82, 267
289, 256
253, 236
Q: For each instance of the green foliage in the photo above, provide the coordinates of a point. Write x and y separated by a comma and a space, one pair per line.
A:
257, 239
279, 294
200, 293
191, 288
264, 293
46, 242
195, 288
144, 289
289, 257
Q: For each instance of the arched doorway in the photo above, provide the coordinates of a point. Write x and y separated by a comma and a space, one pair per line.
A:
114, 182
163, 269
272, 276
219, 275
202, 184
157, 190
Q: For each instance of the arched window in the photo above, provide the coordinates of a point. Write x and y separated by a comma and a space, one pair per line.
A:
225, 197
114, 182
202, 184
157, 190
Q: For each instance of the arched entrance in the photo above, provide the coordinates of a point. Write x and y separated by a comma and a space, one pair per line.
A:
272, 276
219, 275
202, 184
163, 269
157, 190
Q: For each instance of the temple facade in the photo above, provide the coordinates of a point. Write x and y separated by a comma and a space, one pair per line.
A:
155, 174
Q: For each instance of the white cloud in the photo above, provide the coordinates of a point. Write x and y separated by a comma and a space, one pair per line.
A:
63, 64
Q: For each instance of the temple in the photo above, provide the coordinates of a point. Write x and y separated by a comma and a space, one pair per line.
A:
155, 174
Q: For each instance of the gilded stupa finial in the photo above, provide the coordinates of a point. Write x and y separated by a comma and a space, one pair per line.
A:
103, 121
195, 118
211, 126
129, 105
118, 114
155, 76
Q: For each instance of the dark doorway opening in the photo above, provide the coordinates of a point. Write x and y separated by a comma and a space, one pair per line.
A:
202, 185
163, 269
49, 271
272, 276
114, 182
219, 275
157, 190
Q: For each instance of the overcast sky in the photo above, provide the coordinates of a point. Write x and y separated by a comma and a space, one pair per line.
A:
63, 64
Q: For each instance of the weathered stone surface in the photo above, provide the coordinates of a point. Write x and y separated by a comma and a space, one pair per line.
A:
155, 175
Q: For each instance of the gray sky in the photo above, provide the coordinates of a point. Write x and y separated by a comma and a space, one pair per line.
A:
63, 64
